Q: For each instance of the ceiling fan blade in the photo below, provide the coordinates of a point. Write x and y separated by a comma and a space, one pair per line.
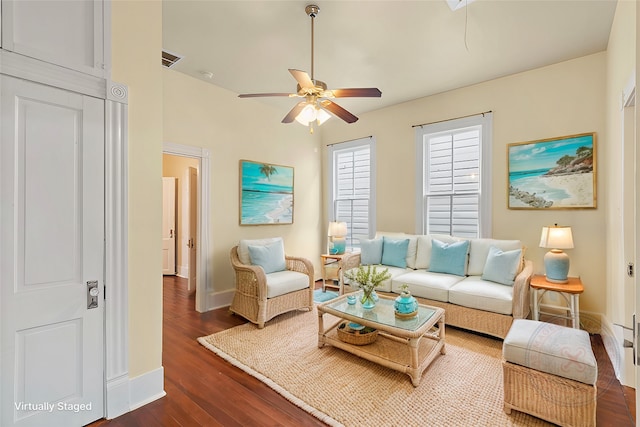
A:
338, 111
371, 92
256, 95
302, 78
291, 116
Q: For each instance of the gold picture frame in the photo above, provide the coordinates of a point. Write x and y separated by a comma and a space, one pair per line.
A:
554, 173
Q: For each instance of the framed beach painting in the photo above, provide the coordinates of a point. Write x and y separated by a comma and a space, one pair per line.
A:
554, 173
266, 193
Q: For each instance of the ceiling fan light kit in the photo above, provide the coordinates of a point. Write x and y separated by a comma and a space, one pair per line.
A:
317, 107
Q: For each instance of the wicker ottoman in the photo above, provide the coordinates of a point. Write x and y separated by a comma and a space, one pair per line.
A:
550, 372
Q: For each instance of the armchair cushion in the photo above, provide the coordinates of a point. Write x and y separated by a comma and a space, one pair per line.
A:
270, 257
283, 282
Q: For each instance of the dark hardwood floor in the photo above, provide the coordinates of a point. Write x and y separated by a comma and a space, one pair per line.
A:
204, 390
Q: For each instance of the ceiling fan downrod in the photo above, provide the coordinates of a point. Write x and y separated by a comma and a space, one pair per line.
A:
312, 10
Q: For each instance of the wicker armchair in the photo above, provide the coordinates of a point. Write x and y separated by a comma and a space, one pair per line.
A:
253, 285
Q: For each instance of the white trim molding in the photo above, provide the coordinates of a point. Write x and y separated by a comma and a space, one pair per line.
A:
613, 337
24, 67
116, 255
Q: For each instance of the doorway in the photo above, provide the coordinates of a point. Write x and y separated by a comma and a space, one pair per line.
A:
190, 166
179, 213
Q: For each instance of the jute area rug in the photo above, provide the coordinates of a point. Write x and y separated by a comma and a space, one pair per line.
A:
461, 388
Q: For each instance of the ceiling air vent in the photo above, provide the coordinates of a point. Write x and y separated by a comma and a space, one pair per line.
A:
170, 59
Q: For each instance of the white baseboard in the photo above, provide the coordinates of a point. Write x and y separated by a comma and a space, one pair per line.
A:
183, 271
125, 394
117, 397
219, 299
146, 388
621, 358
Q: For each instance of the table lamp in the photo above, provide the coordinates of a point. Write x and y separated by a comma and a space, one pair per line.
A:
556, 262
337, 233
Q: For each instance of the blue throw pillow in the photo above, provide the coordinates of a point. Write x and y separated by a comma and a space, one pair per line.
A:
394, 252
370, 251
501, 267
450, 258
270, 257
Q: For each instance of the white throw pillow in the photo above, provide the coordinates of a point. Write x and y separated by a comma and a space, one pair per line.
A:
479, 250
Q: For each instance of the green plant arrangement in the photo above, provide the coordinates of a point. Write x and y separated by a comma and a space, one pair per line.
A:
367, 278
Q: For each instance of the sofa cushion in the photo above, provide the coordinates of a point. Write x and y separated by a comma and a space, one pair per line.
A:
449, 258
270, 257
370, 251
283, 282
423, 250
550, 348
243, 247
394, 252
502, 267
479, 250
425, 284
473, 292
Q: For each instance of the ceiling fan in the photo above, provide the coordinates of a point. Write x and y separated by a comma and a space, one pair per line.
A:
317, 103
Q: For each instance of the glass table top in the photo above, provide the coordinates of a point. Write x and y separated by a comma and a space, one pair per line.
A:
383, 313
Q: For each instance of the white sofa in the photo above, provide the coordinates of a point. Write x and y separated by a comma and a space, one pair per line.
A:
483, 292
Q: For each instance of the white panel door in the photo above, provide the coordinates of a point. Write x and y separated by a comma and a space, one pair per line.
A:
193, 226
69, 33
168, 225
52, 245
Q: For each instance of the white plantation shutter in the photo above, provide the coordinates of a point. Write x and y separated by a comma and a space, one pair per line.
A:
352, 171
454, 189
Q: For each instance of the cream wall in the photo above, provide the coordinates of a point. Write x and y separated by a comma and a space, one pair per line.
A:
621, 61
562, 99
200, 114
136, 59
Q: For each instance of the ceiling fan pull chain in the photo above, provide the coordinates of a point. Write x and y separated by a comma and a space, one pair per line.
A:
313, 15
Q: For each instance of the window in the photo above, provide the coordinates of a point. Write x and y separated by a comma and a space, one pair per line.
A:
454, 177
351, 187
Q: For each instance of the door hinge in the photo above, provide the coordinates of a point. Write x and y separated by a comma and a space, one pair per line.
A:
630, 270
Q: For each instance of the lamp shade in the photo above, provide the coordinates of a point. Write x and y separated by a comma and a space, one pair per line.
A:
337, 229
556, 237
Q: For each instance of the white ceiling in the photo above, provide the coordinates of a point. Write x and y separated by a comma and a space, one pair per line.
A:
407, 49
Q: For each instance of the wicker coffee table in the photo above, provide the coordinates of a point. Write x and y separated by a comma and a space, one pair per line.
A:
406, 345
